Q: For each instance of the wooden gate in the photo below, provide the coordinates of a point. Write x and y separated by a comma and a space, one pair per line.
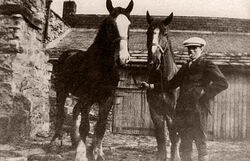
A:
131, 113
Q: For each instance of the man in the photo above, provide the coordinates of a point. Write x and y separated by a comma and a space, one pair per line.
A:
199, 80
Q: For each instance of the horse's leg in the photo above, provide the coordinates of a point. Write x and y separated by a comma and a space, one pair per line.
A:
174, 138
60, 115
100, 127
75, 135
158, 121
81, 150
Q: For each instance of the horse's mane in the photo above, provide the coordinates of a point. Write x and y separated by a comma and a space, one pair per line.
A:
101, 32
175, 69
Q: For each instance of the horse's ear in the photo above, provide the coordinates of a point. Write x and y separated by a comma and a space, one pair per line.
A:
168, 19
130, 6
149, 18
109, 6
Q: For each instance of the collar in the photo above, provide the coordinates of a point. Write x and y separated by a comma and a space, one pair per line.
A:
196, 61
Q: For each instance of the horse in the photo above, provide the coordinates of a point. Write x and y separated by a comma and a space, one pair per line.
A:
92, 76
162, 68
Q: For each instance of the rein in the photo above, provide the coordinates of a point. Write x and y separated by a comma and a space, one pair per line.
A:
163, 54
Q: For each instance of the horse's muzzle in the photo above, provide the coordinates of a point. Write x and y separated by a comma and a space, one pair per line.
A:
124, 61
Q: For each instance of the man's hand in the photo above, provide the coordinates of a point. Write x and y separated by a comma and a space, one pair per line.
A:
145, 85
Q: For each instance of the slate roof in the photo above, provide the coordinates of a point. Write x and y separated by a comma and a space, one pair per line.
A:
179, 22
223, 48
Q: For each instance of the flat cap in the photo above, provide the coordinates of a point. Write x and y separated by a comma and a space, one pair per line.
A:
194, 41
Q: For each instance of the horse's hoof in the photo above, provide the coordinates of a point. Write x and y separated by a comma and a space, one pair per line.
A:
98, 154
80, 158
81, 153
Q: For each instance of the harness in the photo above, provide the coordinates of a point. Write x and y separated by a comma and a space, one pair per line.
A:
159, 46
119, 38
163, 54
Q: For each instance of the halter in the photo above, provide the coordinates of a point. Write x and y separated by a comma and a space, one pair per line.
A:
162, 51
159, 46
119, 38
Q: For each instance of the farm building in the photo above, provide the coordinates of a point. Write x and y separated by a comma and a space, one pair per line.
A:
24, 76
228, 45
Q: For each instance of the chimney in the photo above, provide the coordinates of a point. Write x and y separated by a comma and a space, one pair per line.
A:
69, 8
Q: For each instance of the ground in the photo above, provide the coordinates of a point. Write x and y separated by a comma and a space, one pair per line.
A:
119, 147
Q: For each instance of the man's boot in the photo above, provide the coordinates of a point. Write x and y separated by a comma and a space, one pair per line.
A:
203, 158
186, 157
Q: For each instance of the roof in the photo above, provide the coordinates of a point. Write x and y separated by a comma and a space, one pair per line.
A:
179, 22
224, 48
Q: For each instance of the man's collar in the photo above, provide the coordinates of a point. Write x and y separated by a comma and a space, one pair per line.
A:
198, 59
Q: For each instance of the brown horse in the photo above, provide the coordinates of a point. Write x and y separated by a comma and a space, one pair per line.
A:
162, 68
92, 76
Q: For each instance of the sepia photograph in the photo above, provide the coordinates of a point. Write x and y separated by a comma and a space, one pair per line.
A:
124, 80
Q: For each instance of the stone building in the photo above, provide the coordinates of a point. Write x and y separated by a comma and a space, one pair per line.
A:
24, 68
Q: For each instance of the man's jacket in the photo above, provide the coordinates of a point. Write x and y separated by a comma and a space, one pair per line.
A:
198, 83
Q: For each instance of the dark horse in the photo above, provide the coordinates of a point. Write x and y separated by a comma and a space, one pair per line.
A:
162, 68
92, 76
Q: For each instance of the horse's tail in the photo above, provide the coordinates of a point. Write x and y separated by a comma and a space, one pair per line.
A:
58, 69
58, 65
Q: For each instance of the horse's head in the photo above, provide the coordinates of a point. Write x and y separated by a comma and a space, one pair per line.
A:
117, 31
157, 39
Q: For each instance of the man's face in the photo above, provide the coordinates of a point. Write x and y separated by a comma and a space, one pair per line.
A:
194, 52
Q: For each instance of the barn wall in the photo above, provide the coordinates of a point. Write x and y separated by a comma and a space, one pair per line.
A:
230, 119
230, 109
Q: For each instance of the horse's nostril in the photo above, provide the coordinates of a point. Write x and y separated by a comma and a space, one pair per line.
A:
127, 61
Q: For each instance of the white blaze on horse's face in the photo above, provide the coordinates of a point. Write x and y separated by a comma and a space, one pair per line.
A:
155, 44
123, 23
155, 40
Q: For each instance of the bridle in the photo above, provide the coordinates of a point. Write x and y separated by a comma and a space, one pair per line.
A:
160, 48
162, 57
162, 51
120, 38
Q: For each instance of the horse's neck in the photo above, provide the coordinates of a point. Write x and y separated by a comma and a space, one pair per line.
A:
97, 50
169, 67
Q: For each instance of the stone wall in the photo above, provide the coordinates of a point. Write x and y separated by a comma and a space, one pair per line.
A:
24, 71
57, 26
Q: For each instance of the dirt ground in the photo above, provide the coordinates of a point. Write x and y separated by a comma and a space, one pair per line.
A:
143, 148
119, 147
